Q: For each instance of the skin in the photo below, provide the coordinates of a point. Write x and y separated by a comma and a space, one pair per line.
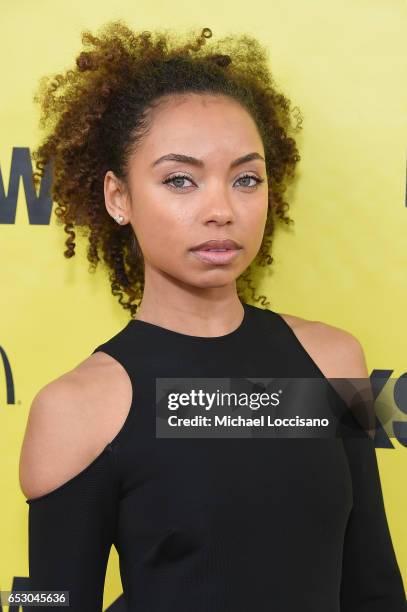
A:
75, 416
181, 292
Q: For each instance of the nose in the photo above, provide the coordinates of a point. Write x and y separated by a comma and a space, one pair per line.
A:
218, 207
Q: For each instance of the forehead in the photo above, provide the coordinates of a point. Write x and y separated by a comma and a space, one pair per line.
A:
204, 125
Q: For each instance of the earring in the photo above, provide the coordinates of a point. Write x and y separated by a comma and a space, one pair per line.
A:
118, 218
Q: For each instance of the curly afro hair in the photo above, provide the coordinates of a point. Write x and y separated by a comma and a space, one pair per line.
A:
95, 114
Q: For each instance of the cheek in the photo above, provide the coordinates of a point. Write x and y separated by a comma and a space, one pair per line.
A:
255, 220
162, 231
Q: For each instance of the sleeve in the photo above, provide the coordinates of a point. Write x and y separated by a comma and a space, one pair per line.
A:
371, 579
70, 532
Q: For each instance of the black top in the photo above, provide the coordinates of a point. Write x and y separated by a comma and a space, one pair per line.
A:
218, 525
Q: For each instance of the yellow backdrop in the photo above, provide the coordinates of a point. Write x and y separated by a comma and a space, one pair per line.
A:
344, 262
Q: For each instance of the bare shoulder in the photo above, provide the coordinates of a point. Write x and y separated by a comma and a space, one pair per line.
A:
70, 422
340, 357
337, 352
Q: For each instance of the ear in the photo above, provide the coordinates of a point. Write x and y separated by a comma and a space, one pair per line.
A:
117, 199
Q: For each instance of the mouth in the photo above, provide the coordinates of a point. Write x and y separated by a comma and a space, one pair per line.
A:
216, 256
217, 246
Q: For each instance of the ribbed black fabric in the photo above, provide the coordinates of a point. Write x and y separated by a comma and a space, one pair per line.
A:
218, 525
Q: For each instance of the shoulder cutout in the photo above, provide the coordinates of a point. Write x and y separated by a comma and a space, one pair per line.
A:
295, 322
337, 352
340, 357
71, 421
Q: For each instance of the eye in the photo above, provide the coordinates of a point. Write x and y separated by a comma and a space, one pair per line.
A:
251, 176
175, 180
178, 178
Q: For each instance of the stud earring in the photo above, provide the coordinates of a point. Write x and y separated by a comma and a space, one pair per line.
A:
118, 218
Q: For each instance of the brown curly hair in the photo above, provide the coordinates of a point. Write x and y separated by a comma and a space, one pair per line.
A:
95, 115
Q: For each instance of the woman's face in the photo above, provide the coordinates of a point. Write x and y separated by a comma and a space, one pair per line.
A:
176, 205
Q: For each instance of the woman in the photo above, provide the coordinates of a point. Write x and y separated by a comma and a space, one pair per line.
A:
192, 151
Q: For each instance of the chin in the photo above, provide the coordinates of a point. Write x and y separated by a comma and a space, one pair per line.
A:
215, 283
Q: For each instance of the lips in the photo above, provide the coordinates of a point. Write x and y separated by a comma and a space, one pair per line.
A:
217, 245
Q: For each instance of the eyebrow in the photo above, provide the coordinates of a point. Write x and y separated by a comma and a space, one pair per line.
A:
193, 161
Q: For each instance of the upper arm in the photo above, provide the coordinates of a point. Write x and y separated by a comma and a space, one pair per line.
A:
343, 362
371, 579
70, 423
54, 448
68, 472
